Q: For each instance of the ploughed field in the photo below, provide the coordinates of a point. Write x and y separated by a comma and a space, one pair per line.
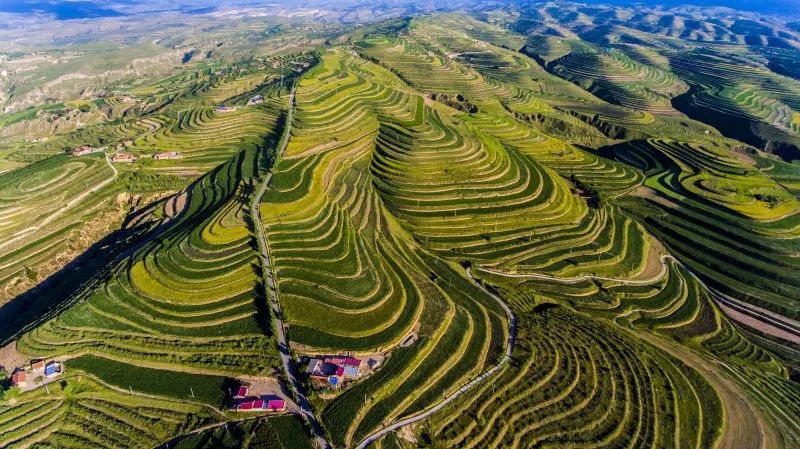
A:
617, 195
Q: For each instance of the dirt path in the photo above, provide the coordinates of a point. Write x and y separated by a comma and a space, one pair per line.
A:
643, 191
276, 314
744, 426
176, 204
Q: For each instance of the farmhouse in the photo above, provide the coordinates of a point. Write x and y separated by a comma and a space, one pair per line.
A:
261, 404
258, 99
84, 150
223, 108
19, 378
167, 155
123, 157
276, 405
37, 366
52, 369
333, 371
242, 392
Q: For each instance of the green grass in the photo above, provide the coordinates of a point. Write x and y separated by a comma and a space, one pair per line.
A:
280, 432
211, 390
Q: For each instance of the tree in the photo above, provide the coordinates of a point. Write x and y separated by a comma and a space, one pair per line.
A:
5, 382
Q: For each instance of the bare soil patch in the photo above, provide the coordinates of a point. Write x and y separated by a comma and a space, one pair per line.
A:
176, 204
757, 324
646, 192
269, 387
654, 266
10, 358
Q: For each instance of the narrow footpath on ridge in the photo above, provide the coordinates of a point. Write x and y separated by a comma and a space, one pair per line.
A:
512, 330
270, 287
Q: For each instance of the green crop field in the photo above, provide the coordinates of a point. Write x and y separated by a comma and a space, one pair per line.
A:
536, 225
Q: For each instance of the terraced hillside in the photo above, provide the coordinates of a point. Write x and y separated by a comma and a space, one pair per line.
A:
533, 226
154, 324
325, 222
188, 299
57, 206
84, 413
614, 76
576, 382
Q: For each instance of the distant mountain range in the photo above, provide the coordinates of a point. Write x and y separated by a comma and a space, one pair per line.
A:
67, 10
772, 6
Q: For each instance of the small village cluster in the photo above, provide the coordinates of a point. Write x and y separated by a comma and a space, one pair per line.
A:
124, 157
247, 403
23, 375
333, 372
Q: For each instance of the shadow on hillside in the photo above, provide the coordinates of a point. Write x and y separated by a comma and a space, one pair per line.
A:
96, 265
750, 131
65, 286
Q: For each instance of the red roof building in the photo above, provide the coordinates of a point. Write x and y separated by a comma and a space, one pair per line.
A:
329, 371
276, 405
257, 405
352, 361
242, 392
123, 157
37, 365
19, 378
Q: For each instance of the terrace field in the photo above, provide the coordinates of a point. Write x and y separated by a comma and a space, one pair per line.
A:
541, 227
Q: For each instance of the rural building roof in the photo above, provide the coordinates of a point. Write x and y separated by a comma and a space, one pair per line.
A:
37, 365
276, 404
122, 157
351, 361
52, 368
18, 377
242, 391
313, 365
167, 155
